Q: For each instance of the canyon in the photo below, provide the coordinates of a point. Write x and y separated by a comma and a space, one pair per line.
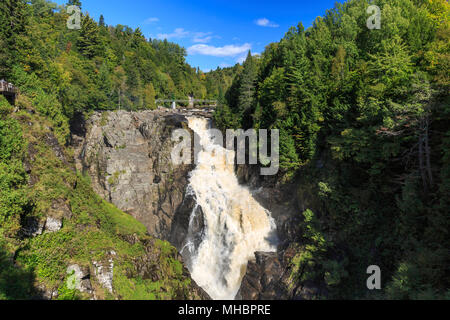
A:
232, 226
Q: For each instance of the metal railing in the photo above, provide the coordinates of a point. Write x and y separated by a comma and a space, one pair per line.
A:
187, 104
7, 87
186, 101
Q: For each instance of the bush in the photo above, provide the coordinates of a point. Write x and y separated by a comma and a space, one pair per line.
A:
5, 107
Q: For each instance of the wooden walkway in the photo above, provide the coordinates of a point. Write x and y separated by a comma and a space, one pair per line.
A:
190, 104
9, 91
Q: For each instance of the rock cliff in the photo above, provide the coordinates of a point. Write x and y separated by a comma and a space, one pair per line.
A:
127, 155
128, 158
268, 275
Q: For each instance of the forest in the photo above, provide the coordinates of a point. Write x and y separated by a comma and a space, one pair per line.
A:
364, 120
98, 67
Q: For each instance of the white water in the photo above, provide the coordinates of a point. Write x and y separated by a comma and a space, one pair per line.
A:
236, 225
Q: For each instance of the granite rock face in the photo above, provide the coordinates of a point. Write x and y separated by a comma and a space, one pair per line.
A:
128, 158
268, 276
149, 266
263, 279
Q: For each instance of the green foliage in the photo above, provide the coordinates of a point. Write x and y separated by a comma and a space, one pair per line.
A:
15, 283
66, 72
89, 42
313, 262
363, 122
13, 197
363, 119
91, 230
225, 119
12, 28
5, 107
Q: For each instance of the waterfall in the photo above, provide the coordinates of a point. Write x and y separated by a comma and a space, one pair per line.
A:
235, 224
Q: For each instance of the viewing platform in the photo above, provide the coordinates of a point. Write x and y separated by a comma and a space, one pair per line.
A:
9, 91
187, 104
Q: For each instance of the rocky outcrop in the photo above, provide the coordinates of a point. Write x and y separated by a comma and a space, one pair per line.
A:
53, 224
268, 276
189, 223
128, 158
33, 226
104, 272
80, 278
262, 279
279, 199
150, 266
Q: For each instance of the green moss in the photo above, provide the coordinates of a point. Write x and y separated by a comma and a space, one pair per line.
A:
104, 119
121, 147
114, 179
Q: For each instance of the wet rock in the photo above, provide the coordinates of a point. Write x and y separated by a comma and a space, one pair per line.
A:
268, 277
189, 225
262, 280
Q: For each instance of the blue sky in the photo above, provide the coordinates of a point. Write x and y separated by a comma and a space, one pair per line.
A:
215, 33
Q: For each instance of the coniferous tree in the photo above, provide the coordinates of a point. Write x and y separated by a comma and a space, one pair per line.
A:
247, 89
74, 3
12, 26
101, 21
89, 42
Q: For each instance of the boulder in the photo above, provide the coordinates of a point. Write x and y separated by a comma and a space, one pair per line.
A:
53, 224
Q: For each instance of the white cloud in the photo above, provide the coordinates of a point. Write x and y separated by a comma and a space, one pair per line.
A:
264, 22
225, 51
202, 37
197, 37
151, 20
224, 65
178, 33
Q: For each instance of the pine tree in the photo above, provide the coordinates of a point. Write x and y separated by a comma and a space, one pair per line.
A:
246, 97
137, 38
101, 21
89, 42
4, 58
74, 3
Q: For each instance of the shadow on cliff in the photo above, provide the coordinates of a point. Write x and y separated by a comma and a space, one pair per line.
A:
78, 125
15, 282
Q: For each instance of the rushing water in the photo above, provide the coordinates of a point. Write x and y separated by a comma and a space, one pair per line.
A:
235, 224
